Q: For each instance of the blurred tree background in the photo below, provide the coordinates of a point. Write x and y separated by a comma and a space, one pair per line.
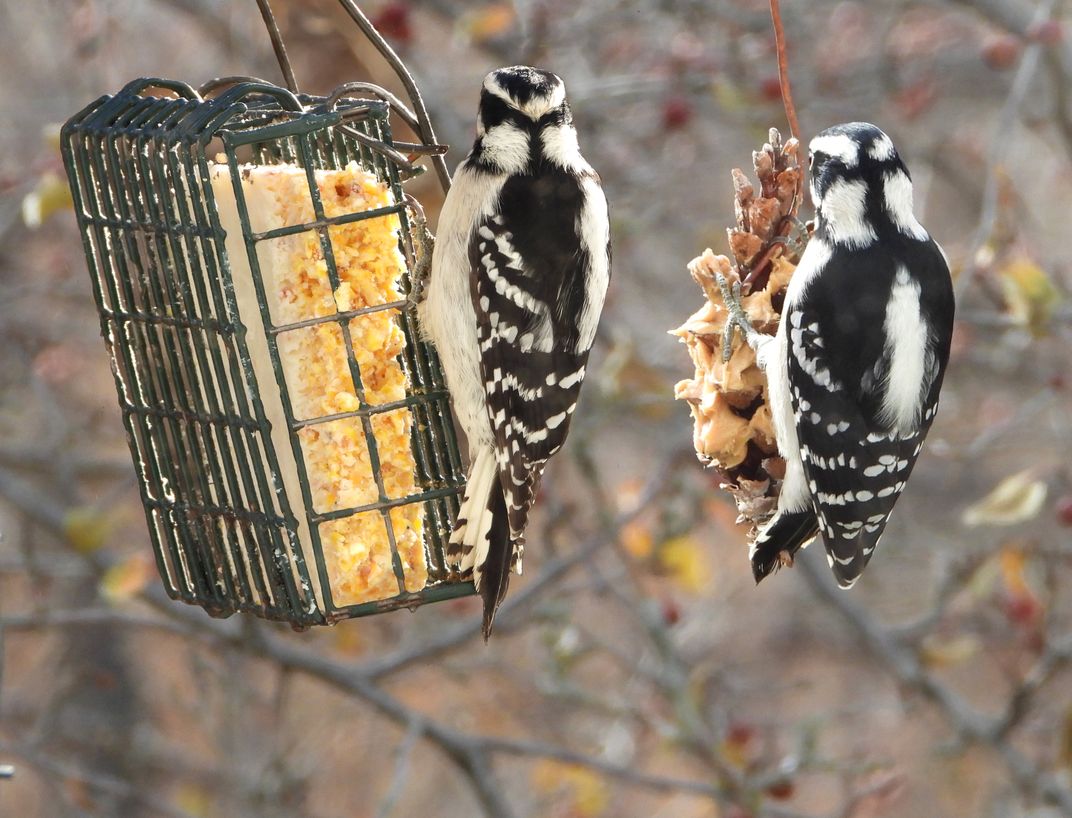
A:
635, 669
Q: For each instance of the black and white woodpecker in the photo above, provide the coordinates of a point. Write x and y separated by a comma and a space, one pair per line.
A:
519, 274
856, 366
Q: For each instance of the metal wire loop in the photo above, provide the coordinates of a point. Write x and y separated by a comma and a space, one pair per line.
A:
417, 118
210, 88
175, 86
396, 104
242, 90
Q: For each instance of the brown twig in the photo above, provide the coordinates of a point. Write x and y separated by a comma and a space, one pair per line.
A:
1000, 140
971, 725
783, 69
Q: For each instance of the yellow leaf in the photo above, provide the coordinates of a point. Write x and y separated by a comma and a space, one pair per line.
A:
487, 23
1013, 567
728, 96
49, 196
127, 578
86, 528
637, 540
587, 792
1029, 293
686, 562
194, 799
939, 652
982, 581
1013, 500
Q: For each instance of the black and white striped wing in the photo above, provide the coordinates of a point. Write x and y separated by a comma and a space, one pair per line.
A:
529, 286
855, 465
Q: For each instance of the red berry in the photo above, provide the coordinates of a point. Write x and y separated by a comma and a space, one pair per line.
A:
771, 89
1022, 609
781, 789
393, 22
1001, 51
1064, 510
1049, 32
671, 612
916, 98
677, 113
740, 733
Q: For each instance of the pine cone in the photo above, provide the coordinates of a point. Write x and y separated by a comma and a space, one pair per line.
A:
732, 422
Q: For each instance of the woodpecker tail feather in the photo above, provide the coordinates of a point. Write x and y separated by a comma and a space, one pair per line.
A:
492, 577
481, 540
848, 556
474, 519
780, 540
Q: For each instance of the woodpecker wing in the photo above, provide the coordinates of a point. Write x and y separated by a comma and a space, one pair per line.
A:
841, 370
532, 288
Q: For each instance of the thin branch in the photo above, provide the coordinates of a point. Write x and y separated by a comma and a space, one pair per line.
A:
473, 754
403, 757
1000, 140
90, 617
97, 781
1054, 659
28, 499
620, 772
970, 725
550, 574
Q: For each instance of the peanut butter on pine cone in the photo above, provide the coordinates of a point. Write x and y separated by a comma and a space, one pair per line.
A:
732, 429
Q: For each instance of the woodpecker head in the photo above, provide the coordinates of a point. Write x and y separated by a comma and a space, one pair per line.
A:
860, 187
524, 118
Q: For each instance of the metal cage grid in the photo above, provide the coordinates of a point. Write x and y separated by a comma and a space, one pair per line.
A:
223, 527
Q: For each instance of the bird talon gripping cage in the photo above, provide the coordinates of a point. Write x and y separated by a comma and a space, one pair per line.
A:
196, 301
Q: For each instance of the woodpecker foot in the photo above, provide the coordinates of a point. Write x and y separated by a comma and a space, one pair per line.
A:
423, 245
738, 318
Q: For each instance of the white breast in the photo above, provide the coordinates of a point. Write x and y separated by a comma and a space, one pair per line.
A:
773, 358
447, 317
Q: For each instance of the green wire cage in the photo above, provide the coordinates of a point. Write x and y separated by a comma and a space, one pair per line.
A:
231, 528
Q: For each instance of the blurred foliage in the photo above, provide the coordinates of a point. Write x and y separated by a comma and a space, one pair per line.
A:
648, 676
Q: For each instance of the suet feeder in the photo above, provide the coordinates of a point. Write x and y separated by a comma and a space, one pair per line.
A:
269, 485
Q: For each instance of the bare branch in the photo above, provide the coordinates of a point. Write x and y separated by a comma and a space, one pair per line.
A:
970, 725
999, 145
99, 782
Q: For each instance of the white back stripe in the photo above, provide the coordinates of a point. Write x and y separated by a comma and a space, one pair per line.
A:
907, 339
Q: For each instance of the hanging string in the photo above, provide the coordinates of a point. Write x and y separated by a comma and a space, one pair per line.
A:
783, 69
278, 46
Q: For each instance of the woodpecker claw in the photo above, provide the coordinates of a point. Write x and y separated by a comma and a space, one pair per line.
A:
423, 245
738, 318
